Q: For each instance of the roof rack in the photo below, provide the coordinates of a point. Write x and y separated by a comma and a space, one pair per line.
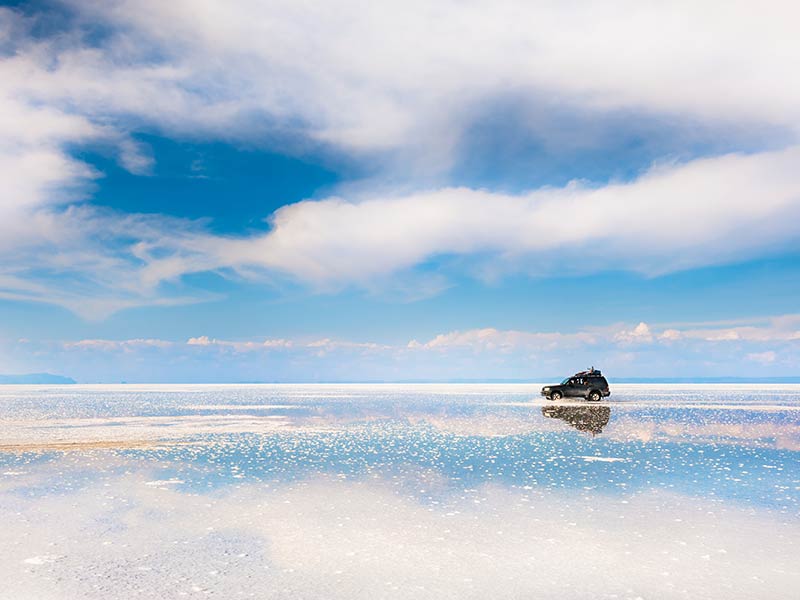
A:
590, 373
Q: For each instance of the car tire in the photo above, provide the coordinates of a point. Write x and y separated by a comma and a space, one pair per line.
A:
594, 396
556, 396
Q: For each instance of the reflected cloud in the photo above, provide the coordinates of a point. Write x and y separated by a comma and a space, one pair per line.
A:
326, 538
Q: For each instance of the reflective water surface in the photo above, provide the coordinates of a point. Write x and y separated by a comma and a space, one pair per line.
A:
399, 491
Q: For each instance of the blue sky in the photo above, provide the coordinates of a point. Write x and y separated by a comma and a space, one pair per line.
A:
232, 191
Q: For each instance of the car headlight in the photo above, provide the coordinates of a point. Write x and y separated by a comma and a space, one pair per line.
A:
546, 389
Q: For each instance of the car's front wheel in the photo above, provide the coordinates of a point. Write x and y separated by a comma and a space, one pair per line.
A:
594, 396
555, 396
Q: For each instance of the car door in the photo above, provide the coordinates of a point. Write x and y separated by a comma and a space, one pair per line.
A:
573, 387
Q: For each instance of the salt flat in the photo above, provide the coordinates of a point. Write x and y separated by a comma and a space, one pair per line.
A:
399, 491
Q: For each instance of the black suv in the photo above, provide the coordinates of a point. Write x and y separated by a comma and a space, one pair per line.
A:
590, 385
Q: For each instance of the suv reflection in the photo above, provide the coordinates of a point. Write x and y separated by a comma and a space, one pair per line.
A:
582, 418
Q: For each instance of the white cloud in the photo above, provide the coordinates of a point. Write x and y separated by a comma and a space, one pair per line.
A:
490, 340
316, 346
96, 262
389, 75
759, 347
639, 334
784, 328
124, 345
241, 346
493, 340
705, 212
53, 248
397, 78
765, 358
490, 541
325, 345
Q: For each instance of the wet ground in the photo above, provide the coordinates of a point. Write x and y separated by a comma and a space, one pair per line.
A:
390, 491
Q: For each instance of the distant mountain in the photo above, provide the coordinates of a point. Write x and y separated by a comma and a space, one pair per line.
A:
36, 378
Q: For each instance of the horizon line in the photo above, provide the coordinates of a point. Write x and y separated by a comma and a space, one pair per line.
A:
531, 381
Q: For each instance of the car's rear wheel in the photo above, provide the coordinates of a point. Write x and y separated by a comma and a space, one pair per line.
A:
595, 396
555, 396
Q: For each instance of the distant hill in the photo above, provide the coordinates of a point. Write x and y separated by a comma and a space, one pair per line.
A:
35, 378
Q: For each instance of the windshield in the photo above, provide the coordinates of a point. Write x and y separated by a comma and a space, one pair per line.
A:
565, 382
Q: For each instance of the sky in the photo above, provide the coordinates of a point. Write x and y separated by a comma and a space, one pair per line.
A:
281, 191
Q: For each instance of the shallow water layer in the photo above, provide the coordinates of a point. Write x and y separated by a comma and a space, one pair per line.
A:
399, 491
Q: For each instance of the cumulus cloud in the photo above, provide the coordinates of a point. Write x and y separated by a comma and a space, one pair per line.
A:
784, 328
639, 334
754, 348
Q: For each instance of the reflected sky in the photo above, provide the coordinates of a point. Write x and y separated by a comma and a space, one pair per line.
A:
399, 491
